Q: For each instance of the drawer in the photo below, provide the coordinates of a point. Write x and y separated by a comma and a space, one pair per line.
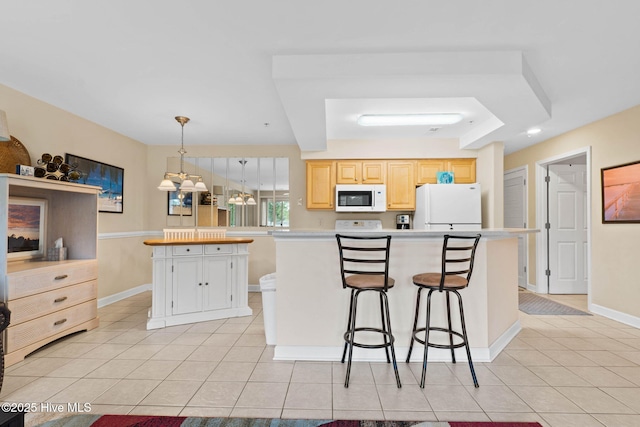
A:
187, 250
58, 275
26, 333
218, 249
31, 307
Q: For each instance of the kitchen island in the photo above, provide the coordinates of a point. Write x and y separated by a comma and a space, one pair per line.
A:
312, 306
196, 280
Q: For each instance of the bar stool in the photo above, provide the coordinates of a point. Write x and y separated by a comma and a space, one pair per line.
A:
458, 253
364, 266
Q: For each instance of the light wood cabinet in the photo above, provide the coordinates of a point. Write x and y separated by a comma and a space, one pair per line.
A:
51, 299
401, 189
321, 184
464, 170
360, 171
212, 216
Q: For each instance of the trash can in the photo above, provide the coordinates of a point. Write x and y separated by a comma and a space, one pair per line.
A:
268, 289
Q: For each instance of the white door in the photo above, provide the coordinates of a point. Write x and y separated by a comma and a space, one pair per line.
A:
515, 215
187, 285
567, 229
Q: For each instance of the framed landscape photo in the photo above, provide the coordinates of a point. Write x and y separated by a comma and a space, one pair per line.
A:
621, 193
108, 177
26, 229
179, 203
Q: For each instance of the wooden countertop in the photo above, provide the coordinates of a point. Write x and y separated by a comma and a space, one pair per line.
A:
196, 241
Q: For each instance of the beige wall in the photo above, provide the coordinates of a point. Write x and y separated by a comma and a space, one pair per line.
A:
43, 128
614, 248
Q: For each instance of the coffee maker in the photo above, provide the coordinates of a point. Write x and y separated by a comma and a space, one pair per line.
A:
403, 222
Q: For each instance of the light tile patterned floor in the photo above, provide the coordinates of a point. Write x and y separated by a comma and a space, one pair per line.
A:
559, 371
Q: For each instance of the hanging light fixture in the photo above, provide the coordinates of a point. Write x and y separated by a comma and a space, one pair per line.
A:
186, 180
242, 199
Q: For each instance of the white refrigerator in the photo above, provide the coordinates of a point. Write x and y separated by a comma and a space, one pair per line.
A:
448, 207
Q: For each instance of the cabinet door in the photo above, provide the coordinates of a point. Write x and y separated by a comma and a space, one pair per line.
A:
428, 168
401, 189
321, 184
349, 172
187, 285
373, 171
464, 170
217, 282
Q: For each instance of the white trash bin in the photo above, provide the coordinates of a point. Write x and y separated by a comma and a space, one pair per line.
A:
268, 289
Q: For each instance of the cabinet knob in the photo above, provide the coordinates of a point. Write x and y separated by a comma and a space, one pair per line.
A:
206, 283
218, 248
199, 284
188, 249
60, 299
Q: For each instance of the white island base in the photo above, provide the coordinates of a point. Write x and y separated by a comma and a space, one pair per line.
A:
313, 307
198, 280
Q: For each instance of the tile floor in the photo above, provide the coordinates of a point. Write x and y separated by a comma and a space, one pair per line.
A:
559, 371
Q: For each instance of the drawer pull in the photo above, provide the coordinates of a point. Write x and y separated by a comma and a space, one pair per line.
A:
218, 248
188, 249
62, 276
59, 322
60, 299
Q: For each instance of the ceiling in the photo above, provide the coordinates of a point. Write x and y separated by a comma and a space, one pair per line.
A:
295, 72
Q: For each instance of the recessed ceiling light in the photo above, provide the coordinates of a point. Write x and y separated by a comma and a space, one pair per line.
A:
409, 119
533, 131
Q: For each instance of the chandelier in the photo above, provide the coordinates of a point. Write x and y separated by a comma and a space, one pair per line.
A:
186, 180
241, 199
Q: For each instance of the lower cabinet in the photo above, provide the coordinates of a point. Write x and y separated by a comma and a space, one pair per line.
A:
193, 283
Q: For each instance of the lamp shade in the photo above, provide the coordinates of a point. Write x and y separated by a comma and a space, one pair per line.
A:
231, 201
200, 186
251, 201
167, 185
239, 200
4, 127
187, 185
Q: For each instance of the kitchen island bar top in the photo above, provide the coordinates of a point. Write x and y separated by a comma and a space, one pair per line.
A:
196, 241
312, 306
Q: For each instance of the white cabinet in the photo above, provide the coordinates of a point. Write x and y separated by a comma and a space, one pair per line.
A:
198, 282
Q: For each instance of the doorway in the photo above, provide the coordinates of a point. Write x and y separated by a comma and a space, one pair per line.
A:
563, 198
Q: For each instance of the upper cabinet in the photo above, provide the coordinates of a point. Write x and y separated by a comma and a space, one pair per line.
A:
360, 171
321, 184
464, 170
401, 177
401, 188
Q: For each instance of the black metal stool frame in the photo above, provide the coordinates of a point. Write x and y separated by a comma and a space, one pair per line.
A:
385, 330
441, 288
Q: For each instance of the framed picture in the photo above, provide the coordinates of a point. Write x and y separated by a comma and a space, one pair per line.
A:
108, 177
621, 193
179, 203
26, 228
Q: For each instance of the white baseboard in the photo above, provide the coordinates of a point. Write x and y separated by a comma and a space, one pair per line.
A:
122, 295
334, 354
618, 316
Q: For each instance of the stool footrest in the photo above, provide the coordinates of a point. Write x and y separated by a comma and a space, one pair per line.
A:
390, 338
445, 346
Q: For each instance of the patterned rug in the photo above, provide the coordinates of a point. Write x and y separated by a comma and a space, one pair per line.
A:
85, 420
534, 304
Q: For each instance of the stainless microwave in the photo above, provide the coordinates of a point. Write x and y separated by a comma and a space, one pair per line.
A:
361, 198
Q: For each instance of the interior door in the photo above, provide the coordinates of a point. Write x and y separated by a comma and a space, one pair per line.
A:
515, 216
567, 229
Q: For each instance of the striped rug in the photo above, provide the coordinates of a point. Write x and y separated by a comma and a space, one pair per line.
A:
533, 304
86, 420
